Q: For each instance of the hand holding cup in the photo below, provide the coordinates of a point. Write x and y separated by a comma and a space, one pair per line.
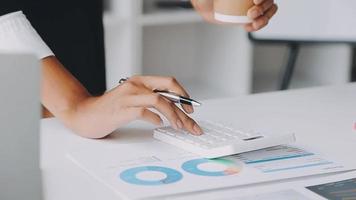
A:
253, 14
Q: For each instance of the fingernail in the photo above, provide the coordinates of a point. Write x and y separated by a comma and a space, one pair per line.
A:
179, 124
197, 129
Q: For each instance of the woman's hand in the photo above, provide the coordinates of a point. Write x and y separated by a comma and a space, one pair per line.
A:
97, 117
135, 100
261, 13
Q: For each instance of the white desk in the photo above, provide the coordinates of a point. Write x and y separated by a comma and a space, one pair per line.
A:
321, 117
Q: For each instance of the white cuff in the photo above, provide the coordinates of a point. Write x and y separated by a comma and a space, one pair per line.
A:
18, 36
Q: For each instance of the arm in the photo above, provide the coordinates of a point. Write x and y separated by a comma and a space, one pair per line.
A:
96, 117
88, 116
261, 13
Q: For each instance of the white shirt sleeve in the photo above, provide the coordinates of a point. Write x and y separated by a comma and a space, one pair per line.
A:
18, 36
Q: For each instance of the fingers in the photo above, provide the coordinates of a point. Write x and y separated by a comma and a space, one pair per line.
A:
268, 9
262, 21
272, 11
164, 83
149, 116
157, 102
264, 5
139, 97
188, 123
260, 8
177, 118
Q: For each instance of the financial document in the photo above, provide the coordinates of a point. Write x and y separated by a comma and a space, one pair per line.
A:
339, 190
155, 169
339, 186
289, 194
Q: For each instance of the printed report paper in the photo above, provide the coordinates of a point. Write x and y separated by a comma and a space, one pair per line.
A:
154, 169
334, 187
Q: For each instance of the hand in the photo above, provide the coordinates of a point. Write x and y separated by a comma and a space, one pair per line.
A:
133, 100
261, 13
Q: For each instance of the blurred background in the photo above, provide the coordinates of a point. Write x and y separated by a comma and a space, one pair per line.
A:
160, 37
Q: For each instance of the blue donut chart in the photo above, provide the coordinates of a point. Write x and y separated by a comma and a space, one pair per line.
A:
129, 175
192, 166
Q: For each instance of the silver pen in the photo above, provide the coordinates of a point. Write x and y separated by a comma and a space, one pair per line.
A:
176, 98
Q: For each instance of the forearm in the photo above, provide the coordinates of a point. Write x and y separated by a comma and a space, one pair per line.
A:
65, 97
61, 93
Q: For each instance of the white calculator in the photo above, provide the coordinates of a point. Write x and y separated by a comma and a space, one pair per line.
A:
219, 140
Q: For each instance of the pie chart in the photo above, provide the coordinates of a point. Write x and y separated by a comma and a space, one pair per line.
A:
212, 167
150, 175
